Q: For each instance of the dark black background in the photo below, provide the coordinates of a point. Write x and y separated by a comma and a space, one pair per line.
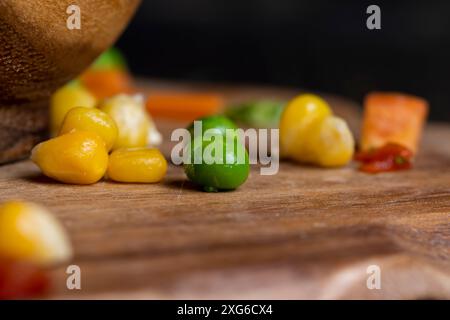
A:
321, 45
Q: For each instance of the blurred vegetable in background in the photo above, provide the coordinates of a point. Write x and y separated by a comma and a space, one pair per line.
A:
391, 131
257, 114
393, 118
110, 59
310, 133
108, 75
184, 106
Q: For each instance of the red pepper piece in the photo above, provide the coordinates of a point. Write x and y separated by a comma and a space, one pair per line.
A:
20, 280
391, 157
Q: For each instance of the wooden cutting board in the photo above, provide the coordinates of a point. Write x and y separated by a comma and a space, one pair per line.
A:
304, 233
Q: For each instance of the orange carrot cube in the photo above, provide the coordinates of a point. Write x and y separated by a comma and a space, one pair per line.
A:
393, 118
184, 106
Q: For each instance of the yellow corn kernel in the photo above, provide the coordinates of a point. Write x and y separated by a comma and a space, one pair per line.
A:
91, 119
66, 98
298, 115
29, 232
331, 142
131, 118
139, 165
79, 157
309, 133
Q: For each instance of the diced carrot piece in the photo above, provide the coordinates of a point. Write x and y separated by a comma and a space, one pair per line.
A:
184, 106
393, 118
106, 83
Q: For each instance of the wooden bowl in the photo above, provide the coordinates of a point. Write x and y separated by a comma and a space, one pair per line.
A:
39, 53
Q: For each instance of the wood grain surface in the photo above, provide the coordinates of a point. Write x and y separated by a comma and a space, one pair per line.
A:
304, 233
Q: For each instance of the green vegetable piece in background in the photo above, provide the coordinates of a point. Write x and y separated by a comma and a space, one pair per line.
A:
110, 59
257, 114
74, 83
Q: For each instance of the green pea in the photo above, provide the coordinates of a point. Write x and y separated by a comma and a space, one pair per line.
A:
217, 172
217, 123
